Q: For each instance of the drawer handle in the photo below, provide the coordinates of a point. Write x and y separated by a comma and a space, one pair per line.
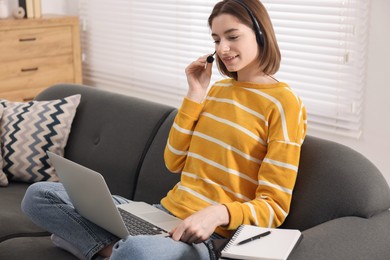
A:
27, 39
29, 69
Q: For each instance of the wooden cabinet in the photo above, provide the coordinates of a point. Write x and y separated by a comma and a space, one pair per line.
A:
38, 53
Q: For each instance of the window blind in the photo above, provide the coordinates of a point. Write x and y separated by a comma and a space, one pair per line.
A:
323, 46
141, 48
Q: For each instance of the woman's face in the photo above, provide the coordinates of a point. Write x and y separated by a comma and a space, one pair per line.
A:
236, 45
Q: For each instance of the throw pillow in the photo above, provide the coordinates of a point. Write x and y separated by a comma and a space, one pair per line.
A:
3, 177
28, 130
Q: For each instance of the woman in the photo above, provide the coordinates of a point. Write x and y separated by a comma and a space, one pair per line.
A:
236, 147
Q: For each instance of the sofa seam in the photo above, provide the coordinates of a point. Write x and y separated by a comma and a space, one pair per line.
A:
21, 235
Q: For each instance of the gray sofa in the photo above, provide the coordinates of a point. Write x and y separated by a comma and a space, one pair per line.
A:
340, 202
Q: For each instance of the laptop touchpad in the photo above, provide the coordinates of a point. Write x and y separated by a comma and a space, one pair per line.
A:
157, 217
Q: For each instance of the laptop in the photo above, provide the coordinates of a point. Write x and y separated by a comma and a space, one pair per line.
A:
92, 199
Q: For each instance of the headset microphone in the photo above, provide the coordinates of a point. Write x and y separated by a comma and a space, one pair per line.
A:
210, 59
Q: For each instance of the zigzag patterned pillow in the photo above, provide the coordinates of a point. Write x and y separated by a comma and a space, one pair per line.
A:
28, 130
3, 177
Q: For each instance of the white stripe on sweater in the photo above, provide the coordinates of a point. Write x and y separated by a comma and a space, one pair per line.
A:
221, 167
227, 146
237, 104
271, 214
290, 143
279, 106
235, 125
182, 130
281, 188
194, 176
276, 205
197, 194
253, 212
216, 141
175, 151
219, 84
281, 164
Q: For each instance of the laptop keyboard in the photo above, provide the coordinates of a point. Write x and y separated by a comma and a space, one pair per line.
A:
137, 226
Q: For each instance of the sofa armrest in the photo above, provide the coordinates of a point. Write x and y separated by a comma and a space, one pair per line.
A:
347, 238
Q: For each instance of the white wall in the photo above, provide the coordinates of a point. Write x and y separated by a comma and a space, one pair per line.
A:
375, 141
53, 6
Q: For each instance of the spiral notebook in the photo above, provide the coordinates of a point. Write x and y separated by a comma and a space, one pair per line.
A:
276, 246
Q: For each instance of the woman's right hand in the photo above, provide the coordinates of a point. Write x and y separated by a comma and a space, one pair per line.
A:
198, 77
200, 226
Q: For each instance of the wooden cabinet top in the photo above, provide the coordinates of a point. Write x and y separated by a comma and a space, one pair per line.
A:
46, 20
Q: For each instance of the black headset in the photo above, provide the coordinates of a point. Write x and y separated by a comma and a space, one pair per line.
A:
256, 28
256, 25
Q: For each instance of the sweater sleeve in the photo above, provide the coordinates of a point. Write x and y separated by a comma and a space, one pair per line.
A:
278, 171
180, 135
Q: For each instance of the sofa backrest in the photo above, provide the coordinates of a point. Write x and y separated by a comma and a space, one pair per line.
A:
111, 133
154, 180
335, 181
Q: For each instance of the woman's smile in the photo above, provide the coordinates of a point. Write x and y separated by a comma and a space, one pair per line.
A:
230, 60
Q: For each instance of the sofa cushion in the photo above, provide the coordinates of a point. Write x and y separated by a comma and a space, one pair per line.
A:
26, 248
346, 238
14, 223
335, 181
28, 130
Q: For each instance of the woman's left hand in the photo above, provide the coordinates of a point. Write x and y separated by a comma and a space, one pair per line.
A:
198, 77
200, 226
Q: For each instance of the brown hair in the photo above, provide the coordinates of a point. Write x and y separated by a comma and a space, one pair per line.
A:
269, 55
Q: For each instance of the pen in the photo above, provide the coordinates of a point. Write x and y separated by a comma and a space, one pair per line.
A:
254, 238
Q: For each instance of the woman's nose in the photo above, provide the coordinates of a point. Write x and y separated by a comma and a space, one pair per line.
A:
223, 47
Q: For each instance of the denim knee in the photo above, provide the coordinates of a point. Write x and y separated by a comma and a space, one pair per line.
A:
35, 196
156, 247
32, 193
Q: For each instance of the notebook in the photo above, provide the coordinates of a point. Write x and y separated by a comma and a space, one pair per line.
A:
92, 199
277, 245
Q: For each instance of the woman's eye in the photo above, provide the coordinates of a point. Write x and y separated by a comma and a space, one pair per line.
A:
232, 38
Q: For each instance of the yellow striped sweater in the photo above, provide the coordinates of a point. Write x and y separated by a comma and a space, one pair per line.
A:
239, 148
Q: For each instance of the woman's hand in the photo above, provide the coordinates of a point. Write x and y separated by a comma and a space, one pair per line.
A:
201, 225
198, 77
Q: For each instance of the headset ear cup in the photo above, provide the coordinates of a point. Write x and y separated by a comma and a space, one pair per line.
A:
256, 25
260, 39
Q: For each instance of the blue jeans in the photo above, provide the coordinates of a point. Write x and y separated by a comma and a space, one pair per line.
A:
48, 206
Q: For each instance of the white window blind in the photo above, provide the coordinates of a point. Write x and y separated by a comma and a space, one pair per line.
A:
141, 48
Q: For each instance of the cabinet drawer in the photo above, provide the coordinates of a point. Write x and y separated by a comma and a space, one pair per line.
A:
32, 43
21, 95
36, 73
